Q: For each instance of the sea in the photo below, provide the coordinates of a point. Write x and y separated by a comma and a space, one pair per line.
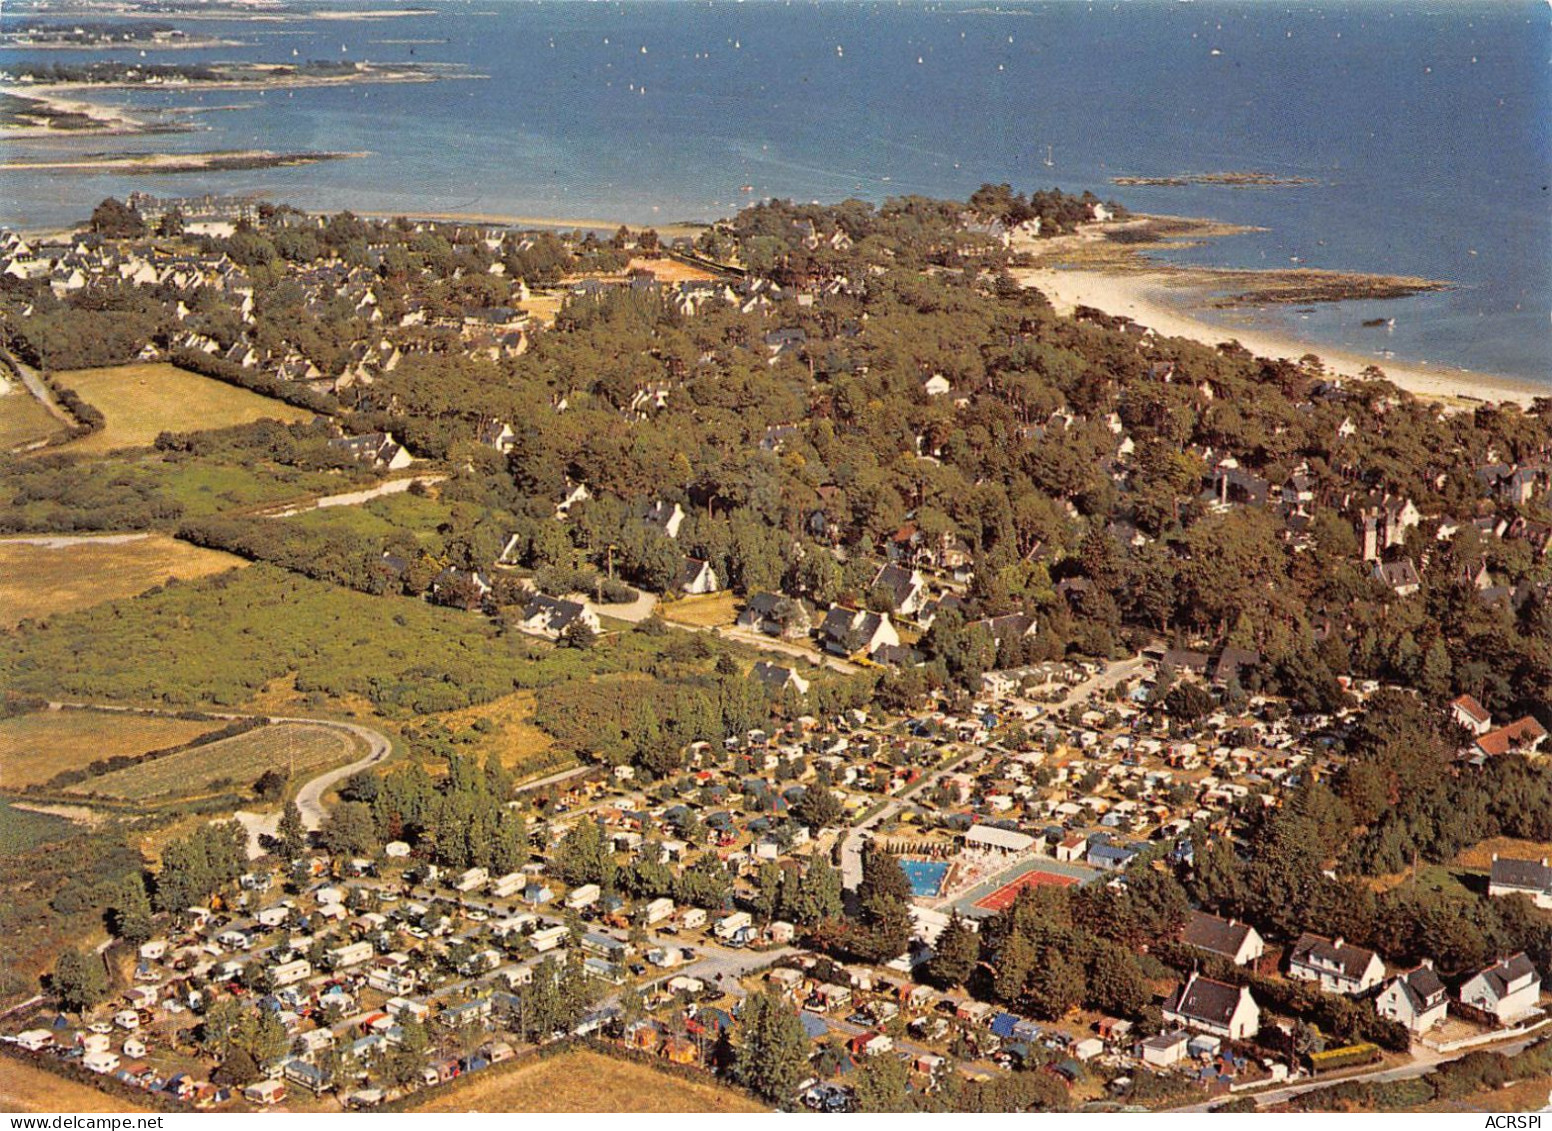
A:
1426, 128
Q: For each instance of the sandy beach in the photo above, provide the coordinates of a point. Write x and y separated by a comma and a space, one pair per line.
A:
1158, 301
105, 121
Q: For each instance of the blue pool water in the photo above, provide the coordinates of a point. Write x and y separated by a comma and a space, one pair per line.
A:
926, 876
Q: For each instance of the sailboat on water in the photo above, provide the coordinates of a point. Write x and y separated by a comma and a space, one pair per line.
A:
1049, 161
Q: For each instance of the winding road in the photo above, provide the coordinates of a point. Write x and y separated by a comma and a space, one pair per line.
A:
309, 799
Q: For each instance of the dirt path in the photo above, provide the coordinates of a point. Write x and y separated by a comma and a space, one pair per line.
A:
35, 385
63, 541
350, 498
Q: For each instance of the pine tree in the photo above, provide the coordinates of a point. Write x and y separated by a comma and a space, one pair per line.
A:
957, 952
772, 1057
818, 896
132, 911
291, 833
881, 1085
80, 981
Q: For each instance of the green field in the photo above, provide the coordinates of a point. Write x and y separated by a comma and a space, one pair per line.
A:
143, 400
221, 640
23, 420
238, 761
391, 514
22, 829
36, 746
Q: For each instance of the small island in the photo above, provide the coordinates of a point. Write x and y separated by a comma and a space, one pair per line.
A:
90, 36
1243, 179
224, 161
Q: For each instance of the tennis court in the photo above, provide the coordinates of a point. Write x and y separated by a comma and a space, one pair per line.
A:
1008, 892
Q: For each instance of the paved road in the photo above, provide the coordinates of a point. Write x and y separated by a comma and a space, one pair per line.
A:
552, 779
1425, 1061
634, 613
309, 799
771, 644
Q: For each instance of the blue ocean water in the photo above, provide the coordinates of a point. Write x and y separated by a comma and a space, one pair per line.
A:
1428, 127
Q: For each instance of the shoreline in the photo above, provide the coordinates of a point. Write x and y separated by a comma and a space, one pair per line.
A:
559, 223
1156, 299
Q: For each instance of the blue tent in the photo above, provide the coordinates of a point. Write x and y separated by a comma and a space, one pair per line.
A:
813, 1026
1003, 1025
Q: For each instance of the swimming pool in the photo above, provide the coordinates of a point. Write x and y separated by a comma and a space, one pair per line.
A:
926, 876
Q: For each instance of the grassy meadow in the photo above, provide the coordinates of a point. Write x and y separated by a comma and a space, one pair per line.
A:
142, 401
38, 581
36, 746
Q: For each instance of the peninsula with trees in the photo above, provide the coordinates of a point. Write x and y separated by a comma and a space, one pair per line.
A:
792, 664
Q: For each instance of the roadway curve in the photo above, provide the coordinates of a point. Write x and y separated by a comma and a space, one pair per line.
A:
309, 799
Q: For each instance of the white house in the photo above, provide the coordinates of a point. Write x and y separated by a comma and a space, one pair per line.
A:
1164, 1050
1508, 989
1339, 966
777, 679
550, 617
1240, 943
1416, 999
905, 587
697, 578
1521, 877
1214, 1007
667, 517
1472, 715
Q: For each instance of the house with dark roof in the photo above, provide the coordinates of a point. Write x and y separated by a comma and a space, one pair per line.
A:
497, 434
549, 616
904, 587
1338, 965
776, 680
379, 449
1209, 1006
1184, 660
1521, 877
697, 577
1508, 989
897, 656
1234, 665
1240, 943
1401, 577
776, 614
845, 631
1416, 999
667, 517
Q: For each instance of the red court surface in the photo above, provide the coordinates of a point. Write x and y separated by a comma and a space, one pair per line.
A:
1007, 893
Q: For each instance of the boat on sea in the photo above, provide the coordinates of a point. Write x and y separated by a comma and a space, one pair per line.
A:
1049, 161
